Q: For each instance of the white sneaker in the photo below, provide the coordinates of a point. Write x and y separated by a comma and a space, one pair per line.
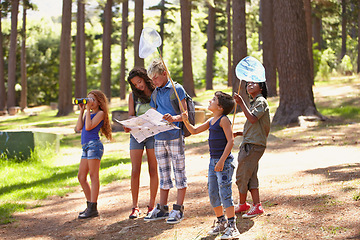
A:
231, 232
218, 228
175, 216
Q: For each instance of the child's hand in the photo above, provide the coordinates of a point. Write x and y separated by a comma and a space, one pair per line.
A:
219, 166
168, 118
235, 134
82, 107
238, 99
126, 129
184, 116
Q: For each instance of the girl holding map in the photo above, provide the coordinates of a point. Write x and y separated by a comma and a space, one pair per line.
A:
139, 102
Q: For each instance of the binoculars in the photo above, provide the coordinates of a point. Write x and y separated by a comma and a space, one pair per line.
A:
81, 100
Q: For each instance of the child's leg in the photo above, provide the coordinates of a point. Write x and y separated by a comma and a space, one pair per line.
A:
82, 177
94, 166
177, 155
255, 195
154, 178
180, 196
164, 194
219, 211
136, 160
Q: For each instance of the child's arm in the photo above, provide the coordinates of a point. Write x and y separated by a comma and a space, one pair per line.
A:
237, 134
131, 111
226, 126
191, 128
177, 118
80, 121
92, 123
239, 100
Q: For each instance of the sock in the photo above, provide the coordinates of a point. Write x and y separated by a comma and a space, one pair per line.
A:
221, 218
231, 220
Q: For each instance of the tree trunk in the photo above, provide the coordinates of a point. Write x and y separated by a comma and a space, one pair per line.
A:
307, 7
343, 29
23, 98
65, 105
80, 71
139, 21
124, 37
358, 62
228, 13
210, 47
316, 30
239, 39
106, 52
11, 96
2, 70
162, 23
296, 95
188, 79
269, 54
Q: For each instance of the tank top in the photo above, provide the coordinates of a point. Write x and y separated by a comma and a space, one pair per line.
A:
93, 134
140, 107
217, 139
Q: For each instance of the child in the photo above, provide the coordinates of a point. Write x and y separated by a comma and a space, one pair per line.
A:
96, 118
139, 103
256, 130
169, 147
221, 167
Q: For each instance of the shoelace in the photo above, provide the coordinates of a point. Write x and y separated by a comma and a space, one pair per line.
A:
252, 210
174, 213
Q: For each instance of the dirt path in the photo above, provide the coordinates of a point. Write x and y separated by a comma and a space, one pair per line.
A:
299, 189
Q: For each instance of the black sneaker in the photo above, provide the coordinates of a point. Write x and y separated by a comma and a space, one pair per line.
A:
158, 213
176, 215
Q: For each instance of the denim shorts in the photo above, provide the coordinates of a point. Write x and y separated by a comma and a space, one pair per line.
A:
220, 183
93, 149
148, 143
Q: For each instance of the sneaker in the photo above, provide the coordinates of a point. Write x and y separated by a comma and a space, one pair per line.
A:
158, 213
176, 215
135, 213
218, 228
240, 208
254, 211
149, 210
231, 232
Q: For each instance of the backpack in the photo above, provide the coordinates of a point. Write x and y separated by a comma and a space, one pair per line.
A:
175, 104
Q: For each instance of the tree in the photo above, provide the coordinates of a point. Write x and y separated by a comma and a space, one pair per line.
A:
308, 19
23, 101
358, 61
228, 23
188, 79
106, 56
124, 37
210, 46
343, 29
268, 46
239, 38
296, 95
139, 21
2, 67
65, 89
80, 65
11, 96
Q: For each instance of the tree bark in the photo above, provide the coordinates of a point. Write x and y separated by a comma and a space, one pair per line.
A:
269, 54
2, 70
358, 62
162, 23
11, 96
343, 29
296, 95
239, 40
139, 21
228, 13
316, 28
188, 79
80, 71
65, 105
307, 7
106, 52
124, 37
210, 47
23, 98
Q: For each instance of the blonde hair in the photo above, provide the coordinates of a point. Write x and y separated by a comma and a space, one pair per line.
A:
101, 98
156, 67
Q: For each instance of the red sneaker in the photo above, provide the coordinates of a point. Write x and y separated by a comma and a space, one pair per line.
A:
135, 213
240, 208
149, 210
254, 211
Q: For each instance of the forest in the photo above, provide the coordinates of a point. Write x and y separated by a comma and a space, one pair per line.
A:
299, 42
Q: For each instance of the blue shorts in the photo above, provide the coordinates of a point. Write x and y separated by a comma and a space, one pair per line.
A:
93, 149
148, 143
220, 183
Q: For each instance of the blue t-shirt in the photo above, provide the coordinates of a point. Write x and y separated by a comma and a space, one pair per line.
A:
163, 106
93, 134
217, 139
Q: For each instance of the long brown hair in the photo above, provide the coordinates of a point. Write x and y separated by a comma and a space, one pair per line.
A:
142, 73
104, 106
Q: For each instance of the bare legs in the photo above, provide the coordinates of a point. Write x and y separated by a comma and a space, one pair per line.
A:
254, 195
92, 167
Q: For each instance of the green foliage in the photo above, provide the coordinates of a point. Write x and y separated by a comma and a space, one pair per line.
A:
7, 209
327, 63
346, 66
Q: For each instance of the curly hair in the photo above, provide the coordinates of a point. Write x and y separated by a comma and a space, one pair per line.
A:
104, 106
142, 73
225, 101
